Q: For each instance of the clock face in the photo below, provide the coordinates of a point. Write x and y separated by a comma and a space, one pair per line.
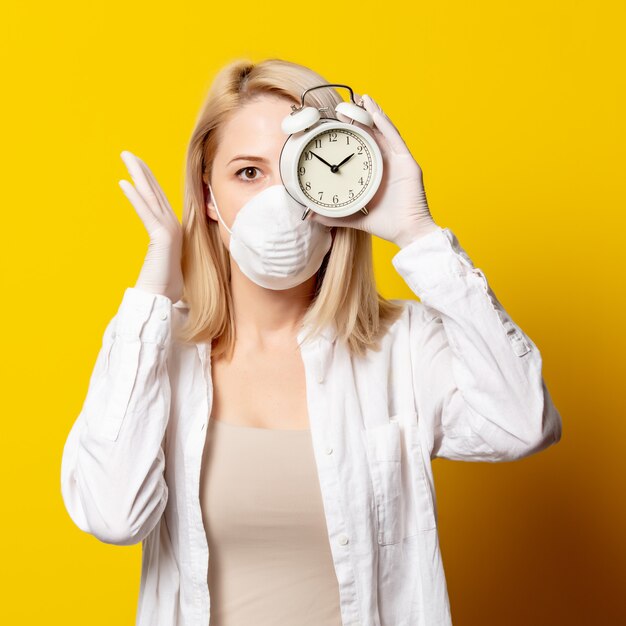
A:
336, 168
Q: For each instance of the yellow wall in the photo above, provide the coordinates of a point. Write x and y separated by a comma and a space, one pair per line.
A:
515, 111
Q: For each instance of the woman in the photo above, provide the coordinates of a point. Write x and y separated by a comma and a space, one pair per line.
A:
269, 435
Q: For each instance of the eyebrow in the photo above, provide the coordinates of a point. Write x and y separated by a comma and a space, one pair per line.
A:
248, 157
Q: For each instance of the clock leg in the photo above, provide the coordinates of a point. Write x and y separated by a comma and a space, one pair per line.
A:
364, 211
306, 212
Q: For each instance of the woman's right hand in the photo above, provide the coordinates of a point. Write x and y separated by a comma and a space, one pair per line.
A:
161, 272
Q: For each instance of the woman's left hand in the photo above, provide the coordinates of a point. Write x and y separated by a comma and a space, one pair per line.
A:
398, 211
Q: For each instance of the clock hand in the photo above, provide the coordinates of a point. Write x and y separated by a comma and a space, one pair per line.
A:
346, 159
322, 160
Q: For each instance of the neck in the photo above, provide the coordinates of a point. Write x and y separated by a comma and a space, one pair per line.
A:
266, 317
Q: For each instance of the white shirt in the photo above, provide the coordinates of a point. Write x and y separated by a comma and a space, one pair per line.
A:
455, 378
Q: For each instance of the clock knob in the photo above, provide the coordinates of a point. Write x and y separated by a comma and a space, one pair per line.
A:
355, 112
299, 120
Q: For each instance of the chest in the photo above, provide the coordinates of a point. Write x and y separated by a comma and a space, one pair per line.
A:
263, 389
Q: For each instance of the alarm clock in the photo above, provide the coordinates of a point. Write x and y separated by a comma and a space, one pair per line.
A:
331, 167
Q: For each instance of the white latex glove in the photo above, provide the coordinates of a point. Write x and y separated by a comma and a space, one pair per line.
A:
161, 272
398, 211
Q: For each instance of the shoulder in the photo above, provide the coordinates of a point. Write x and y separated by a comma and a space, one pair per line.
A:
180, 311
415, 314
417, 326
180, 314
181, 304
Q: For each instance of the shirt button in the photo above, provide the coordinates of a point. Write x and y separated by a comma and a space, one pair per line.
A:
329, 450
163, 315
343, 539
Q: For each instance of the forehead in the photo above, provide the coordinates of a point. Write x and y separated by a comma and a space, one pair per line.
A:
255, 126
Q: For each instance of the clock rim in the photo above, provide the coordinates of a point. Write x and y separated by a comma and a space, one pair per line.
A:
323, 126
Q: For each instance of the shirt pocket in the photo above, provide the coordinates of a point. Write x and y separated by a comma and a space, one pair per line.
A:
403, 500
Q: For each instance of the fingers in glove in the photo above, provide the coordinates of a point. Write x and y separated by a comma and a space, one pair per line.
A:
386, 126
141, 182
144, 212
373, 131
164, 204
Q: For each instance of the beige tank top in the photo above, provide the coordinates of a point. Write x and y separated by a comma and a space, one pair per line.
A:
269, 554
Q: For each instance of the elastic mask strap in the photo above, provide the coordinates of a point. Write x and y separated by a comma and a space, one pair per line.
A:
217, 209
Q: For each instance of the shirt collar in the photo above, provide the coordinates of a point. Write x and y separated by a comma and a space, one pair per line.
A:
322, 344
328, 332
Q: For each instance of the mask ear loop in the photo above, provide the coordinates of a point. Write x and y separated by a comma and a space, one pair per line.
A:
217, 209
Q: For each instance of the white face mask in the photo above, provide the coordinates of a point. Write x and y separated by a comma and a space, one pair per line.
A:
270, 242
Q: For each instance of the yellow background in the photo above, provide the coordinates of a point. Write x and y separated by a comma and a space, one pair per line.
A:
515, 113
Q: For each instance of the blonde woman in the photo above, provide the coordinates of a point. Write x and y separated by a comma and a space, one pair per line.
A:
260, 417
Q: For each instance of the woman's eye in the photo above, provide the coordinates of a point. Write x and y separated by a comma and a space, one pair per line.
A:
246, 171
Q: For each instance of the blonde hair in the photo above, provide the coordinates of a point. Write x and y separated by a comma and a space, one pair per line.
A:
345, 293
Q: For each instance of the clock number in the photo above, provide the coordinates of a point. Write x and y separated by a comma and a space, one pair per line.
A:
308, 155
350, 193
347, 140
301, 171
335, 199
307, 186
361, 180
318, 143
360, 150
332, 137
321, 194
366, 165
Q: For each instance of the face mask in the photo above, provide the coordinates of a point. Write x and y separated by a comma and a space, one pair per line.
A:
270, 242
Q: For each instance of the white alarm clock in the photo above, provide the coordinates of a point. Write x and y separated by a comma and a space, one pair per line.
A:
331, 167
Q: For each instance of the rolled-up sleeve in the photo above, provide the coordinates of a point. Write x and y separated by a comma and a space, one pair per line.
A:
112, 469
477, 376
